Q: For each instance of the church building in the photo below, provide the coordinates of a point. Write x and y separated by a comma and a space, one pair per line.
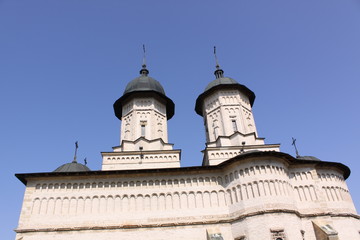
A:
244, 190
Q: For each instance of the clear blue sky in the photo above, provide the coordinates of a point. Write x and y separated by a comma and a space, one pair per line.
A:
64, 63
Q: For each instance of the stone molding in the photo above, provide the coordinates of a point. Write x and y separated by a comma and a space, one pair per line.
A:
228, 220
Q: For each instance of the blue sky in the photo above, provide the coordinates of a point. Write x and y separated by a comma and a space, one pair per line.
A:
64, 63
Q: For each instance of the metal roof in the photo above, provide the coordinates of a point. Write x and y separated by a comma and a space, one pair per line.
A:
144, 83
310, 158
72, 167
144, 86
220, 81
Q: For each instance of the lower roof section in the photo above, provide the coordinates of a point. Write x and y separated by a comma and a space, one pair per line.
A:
24, 177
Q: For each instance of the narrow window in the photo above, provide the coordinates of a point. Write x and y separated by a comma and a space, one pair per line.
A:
234, 125
216, 132
143, 130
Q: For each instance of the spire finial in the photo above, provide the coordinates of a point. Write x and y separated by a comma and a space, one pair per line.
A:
216, 59
76, 148
144, 57
144, 71
294, 144
218, 72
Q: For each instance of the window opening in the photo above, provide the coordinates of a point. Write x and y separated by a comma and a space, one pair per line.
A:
234, 125
143, 130
216, 236
216, 132
240, 238
278, 234
142, 125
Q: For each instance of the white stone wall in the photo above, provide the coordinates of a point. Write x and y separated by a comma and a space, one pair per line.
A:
260, 227
251, 198
226, 112
196, 232
69, 202
144, 144
216, 155
148, 111
141, 160
229, 123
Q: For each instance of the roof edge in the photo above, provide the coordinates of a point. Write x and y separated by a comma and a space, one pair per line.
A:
346, 170
170, 106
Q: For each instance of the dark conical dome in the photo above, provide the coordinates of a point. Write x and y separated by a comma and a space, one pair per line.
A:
219, 83
144, 86
72, 167
309, 158
144, 83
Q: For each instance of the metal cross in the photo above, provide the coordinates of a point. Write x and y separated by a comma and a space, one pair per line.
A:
76, 148
294, 144
216, 59
144, 57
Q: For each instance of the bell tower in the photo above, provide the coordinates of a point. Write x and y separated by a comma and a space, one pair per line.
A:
144, 110
226, 107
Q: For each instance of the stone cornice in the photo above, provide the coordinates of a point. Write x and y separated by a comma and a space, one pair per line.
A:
242, 147
139, 152
208, 220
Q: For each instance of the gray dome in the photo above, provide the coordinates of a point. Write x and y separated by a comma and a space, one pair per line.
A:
145, 86
220, 81
309, 158
144, 83
72, 167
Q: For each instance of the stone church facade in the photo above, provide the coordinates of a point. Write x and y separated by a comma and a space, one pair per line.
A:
244, 190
